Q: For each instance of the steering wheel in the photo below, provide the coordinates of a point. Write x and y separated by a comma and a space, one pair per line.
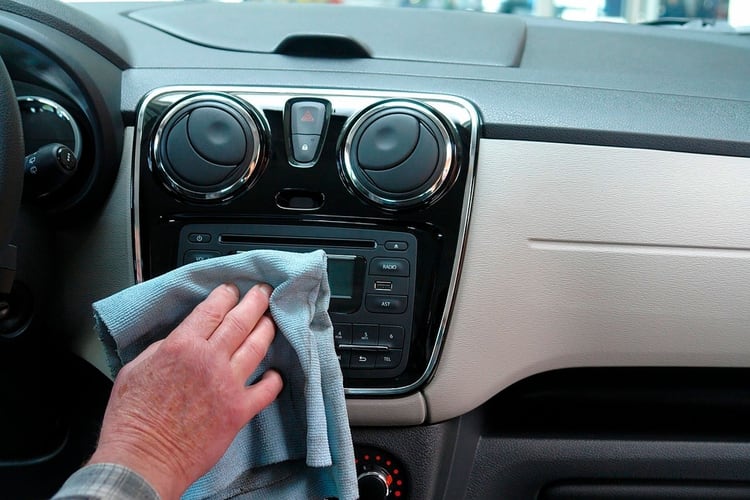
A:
11, 176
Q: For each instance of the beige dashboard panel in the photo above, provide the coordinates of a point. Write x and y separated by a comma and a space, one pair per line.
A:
596, 256
406, 410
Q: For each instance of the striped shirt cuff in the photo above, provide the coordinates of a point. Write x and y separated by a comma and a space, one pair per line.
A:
106, 481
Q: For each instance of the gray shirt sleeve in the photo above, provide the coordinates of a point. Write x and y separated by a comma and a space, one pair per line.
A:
106, 481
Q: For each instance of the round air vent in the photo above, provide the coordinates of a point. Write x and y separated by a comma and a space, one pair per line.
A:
210, 146
398, 154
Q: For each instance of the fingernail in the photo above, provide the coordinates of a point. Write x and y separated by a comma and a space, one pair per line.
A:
232, 288
266, 289
281, 376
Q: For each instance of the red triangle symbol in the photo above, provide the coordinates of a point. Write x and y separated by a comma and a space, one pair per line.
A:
307, 117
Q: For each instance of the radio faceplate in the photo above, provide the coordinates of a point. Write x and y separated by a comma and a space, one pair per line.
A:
372, 274
356, 173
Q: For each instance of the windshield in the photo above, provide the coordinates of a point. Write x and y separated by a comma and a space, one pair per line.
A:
726, 14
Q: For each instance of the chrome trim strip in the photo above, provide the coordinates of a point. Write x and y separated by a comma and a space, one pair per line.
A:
356, 347
343, 102
135, 202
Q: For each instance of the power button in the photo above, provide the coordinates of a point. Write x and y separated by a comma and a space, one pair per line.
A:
199, 238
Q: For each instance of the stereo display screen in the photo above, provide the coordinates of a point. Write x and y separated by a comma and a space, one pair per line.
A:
341, 277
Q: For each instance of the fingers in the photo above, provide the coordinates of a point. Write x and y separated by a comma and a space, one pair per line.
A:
253, 349
262, 393
210, 313
242, 319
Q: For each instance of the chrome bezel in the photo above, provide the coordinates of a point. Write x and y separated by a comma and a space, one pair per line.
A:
62, 113
351, 176
348, 103
258, 128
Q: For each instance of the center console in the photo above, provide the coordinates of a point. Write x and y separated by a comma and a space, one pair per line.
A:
381, 181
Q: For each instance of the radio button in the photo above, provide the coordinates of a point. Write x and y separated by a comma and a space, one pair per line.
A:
199, 238
365, 335
390, 304
390, 359
391, 336
198, 255
398, 246
362, 359
389, 267
342, 333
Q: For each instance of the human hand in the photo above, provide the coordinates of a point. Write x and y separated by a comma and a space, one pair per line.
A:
175, 409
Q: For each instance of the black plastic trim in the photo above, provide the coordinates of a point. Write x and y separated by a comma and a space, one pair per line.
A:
633, 403
643, 490
322, 45
699, 145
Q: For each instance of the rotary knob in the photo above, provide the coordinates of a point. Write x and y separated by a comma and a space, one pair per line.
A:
380, 475
374, 484
210, 147
399, 154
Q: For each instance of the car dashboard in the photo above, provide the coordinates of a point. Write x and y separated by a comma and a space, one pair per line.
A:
537, 230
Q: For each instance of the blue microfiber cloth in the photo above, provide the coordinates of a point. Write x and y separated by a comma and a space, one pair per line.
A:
298, 447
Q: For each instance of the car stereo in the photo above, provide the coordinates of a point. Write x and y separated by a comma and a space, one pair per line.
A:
371, 277
382, 181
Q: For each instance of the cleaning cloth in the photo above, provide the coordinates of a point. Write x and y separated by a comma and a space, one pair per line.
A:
298, 447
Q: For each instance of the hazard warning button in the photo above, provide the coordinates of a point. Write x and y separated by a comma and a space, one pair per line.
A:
308, 117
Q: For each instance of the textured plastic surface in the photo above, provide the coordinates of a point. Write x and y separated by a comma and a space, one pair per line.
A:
596, 256
597, 94
645, 491
520, 468
253, 27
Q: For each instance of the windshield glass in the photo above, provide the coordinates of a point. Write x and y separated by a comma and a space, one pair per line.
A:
719, 14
